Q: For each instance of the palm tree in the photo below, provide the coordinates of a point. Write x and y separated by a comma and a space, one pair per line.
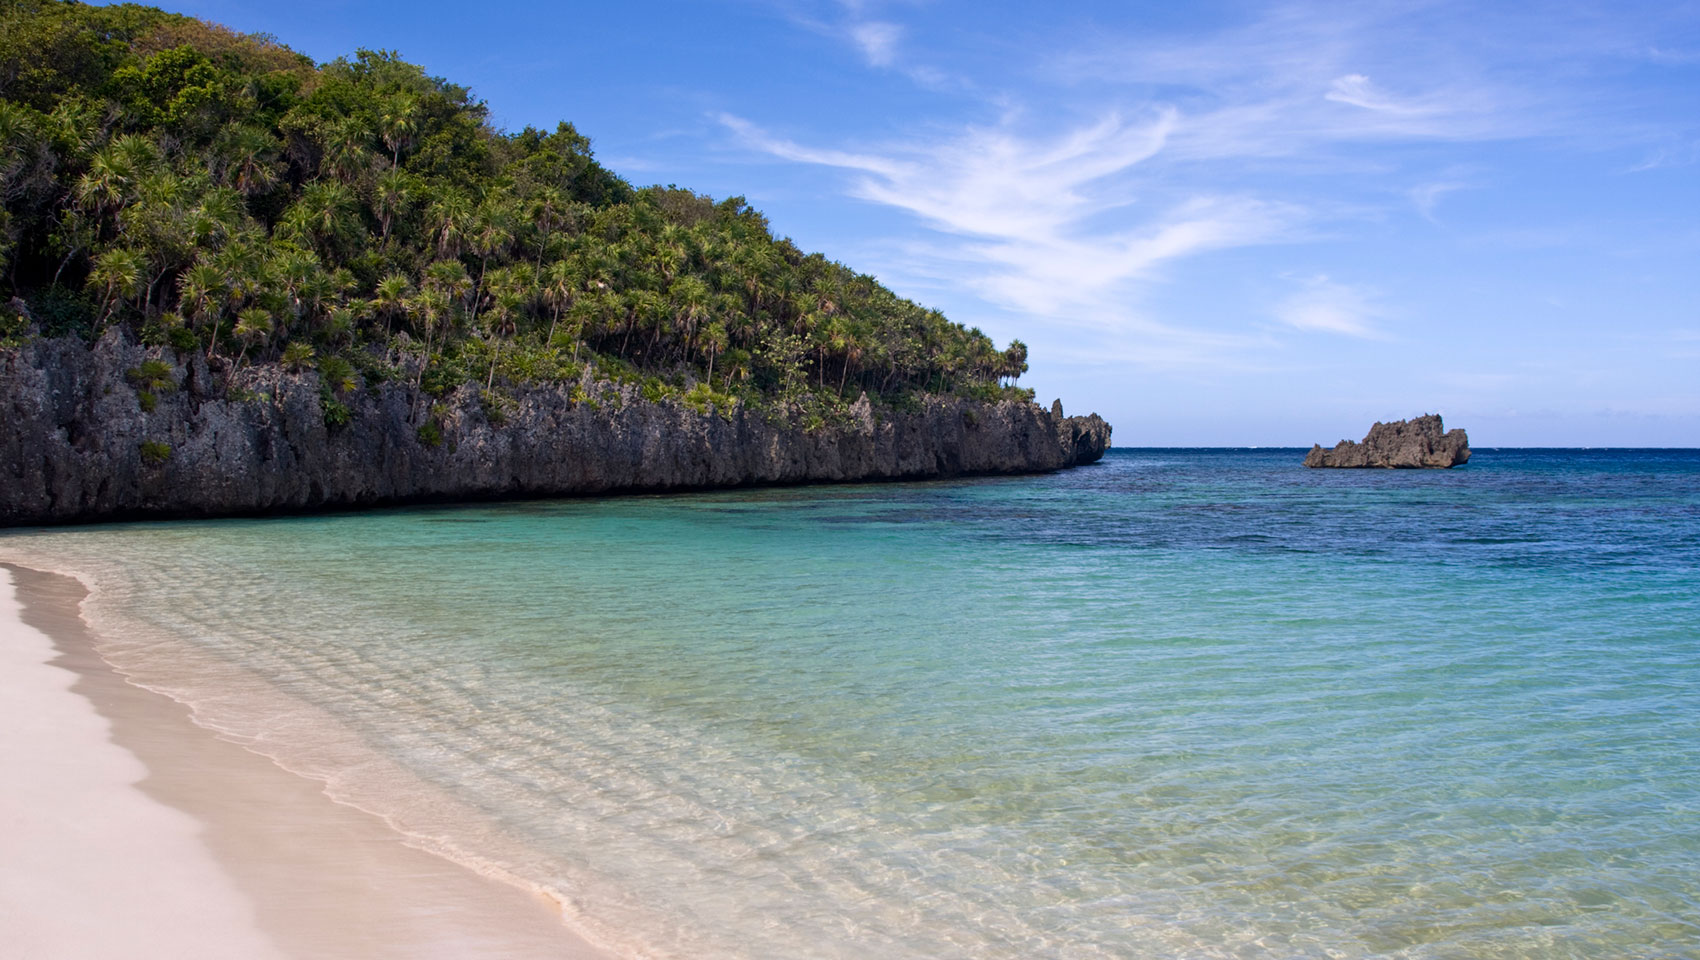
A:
691, 299
391, 198
397, 123
329, 214
301, 280
252, 325
449, 276
451, 216
347, 155
118, 272
499, 324
201, 291
492, 232
561, 283
249, 157
430, 306
390, 297
547, 209
714, 340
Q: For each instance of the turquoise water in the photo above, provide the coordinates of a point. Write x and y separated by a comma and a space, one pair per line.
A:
1180, 704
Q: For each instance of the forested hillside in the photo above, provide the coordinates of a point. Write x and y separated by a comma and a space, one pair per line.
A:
219, 193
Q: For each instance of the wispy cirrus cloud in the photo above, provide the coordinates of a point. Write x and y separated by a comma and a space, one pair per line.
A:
1426, 196
1024, 214
1321, 305
1116, 158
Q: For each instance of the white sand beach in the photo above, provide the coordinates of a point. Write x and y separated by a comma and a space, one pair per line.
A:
128, 831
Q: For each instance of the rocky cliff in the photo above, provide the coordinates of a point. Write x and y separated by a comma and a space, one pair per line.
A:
1422, 442
76, 443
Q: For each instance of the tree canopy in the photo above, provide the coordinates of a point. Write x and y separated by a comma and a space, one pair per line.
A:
218, 192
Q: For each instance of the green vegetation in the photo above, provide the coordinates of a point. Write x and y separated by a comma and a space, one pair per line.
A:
218, 192
154, 452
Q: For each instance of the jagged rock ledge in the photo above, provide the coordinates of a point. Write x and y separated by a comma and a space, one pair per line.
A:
76, 445
1421, 442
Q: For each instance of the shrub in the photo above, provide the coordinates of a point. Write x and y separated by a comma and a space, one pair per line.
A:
336, 374
155, 376
298, 355
498, 407
336, 412
431, 434
155, 452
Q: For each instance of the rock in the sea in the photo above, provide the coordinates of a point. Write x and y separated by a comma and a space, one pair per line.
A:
1423, 442
79, 443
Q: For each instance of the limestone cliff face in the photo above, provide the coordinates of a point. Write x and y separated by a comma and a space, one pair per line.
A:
1422, 442
76, 445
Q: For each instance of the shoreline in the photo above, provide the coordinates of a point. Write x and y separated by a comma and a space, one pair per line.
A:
132, 811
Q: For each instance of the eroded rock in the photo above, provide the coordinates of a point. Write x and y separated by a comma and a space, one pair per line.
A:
76, 445
1421, 442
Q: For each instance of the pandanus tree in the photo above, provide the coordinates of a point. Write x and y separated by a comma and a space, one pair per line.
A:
253, 325
493, 231
201, 293
430, 306
500, 323
449, 277
390, 297
714, 342
247, 155
560, 284
392, 196
347, 154
451, 216
398, 121
691, 299
328, 215
548, 212
118, 274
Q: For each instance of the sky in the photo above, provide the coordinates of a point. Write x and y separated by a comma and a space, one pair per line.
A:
1212, 223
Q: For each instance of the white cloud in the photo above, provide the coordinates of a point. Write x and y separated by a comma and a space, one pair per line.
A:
1357, 90
1159, 147
1324, 306
1025, 217
877, 40
1427, 195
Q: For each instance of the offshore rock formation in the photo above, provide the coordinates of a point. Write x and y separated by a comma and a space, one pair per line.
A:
77, 445
1423, 442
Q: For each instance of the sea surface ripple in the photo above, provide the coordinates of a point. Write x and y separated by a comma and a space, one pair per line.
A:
1183, 703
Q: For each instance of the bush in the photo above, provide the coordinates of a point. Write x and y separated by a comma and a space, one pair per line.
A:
336, 374
298, 355
337, 414
498, 407
62, 312
155, 452
155, 376
157, 331
431, 434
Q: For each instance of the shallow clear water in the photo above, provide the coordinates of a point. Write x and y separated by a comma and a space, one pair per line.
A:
1181, 703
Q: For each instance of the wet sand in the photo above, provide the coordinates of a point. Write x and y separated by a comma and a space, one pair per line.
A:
127, 830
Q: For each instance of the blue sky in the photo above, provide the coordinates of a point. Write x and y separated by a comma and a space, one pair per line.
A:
1212, 223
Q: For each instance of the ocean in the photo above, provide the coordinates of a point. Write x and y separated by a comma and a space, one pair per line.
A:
1181, 703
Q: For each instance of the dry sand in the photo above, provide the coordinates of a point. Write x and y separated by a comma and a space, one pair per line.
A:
128, 831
